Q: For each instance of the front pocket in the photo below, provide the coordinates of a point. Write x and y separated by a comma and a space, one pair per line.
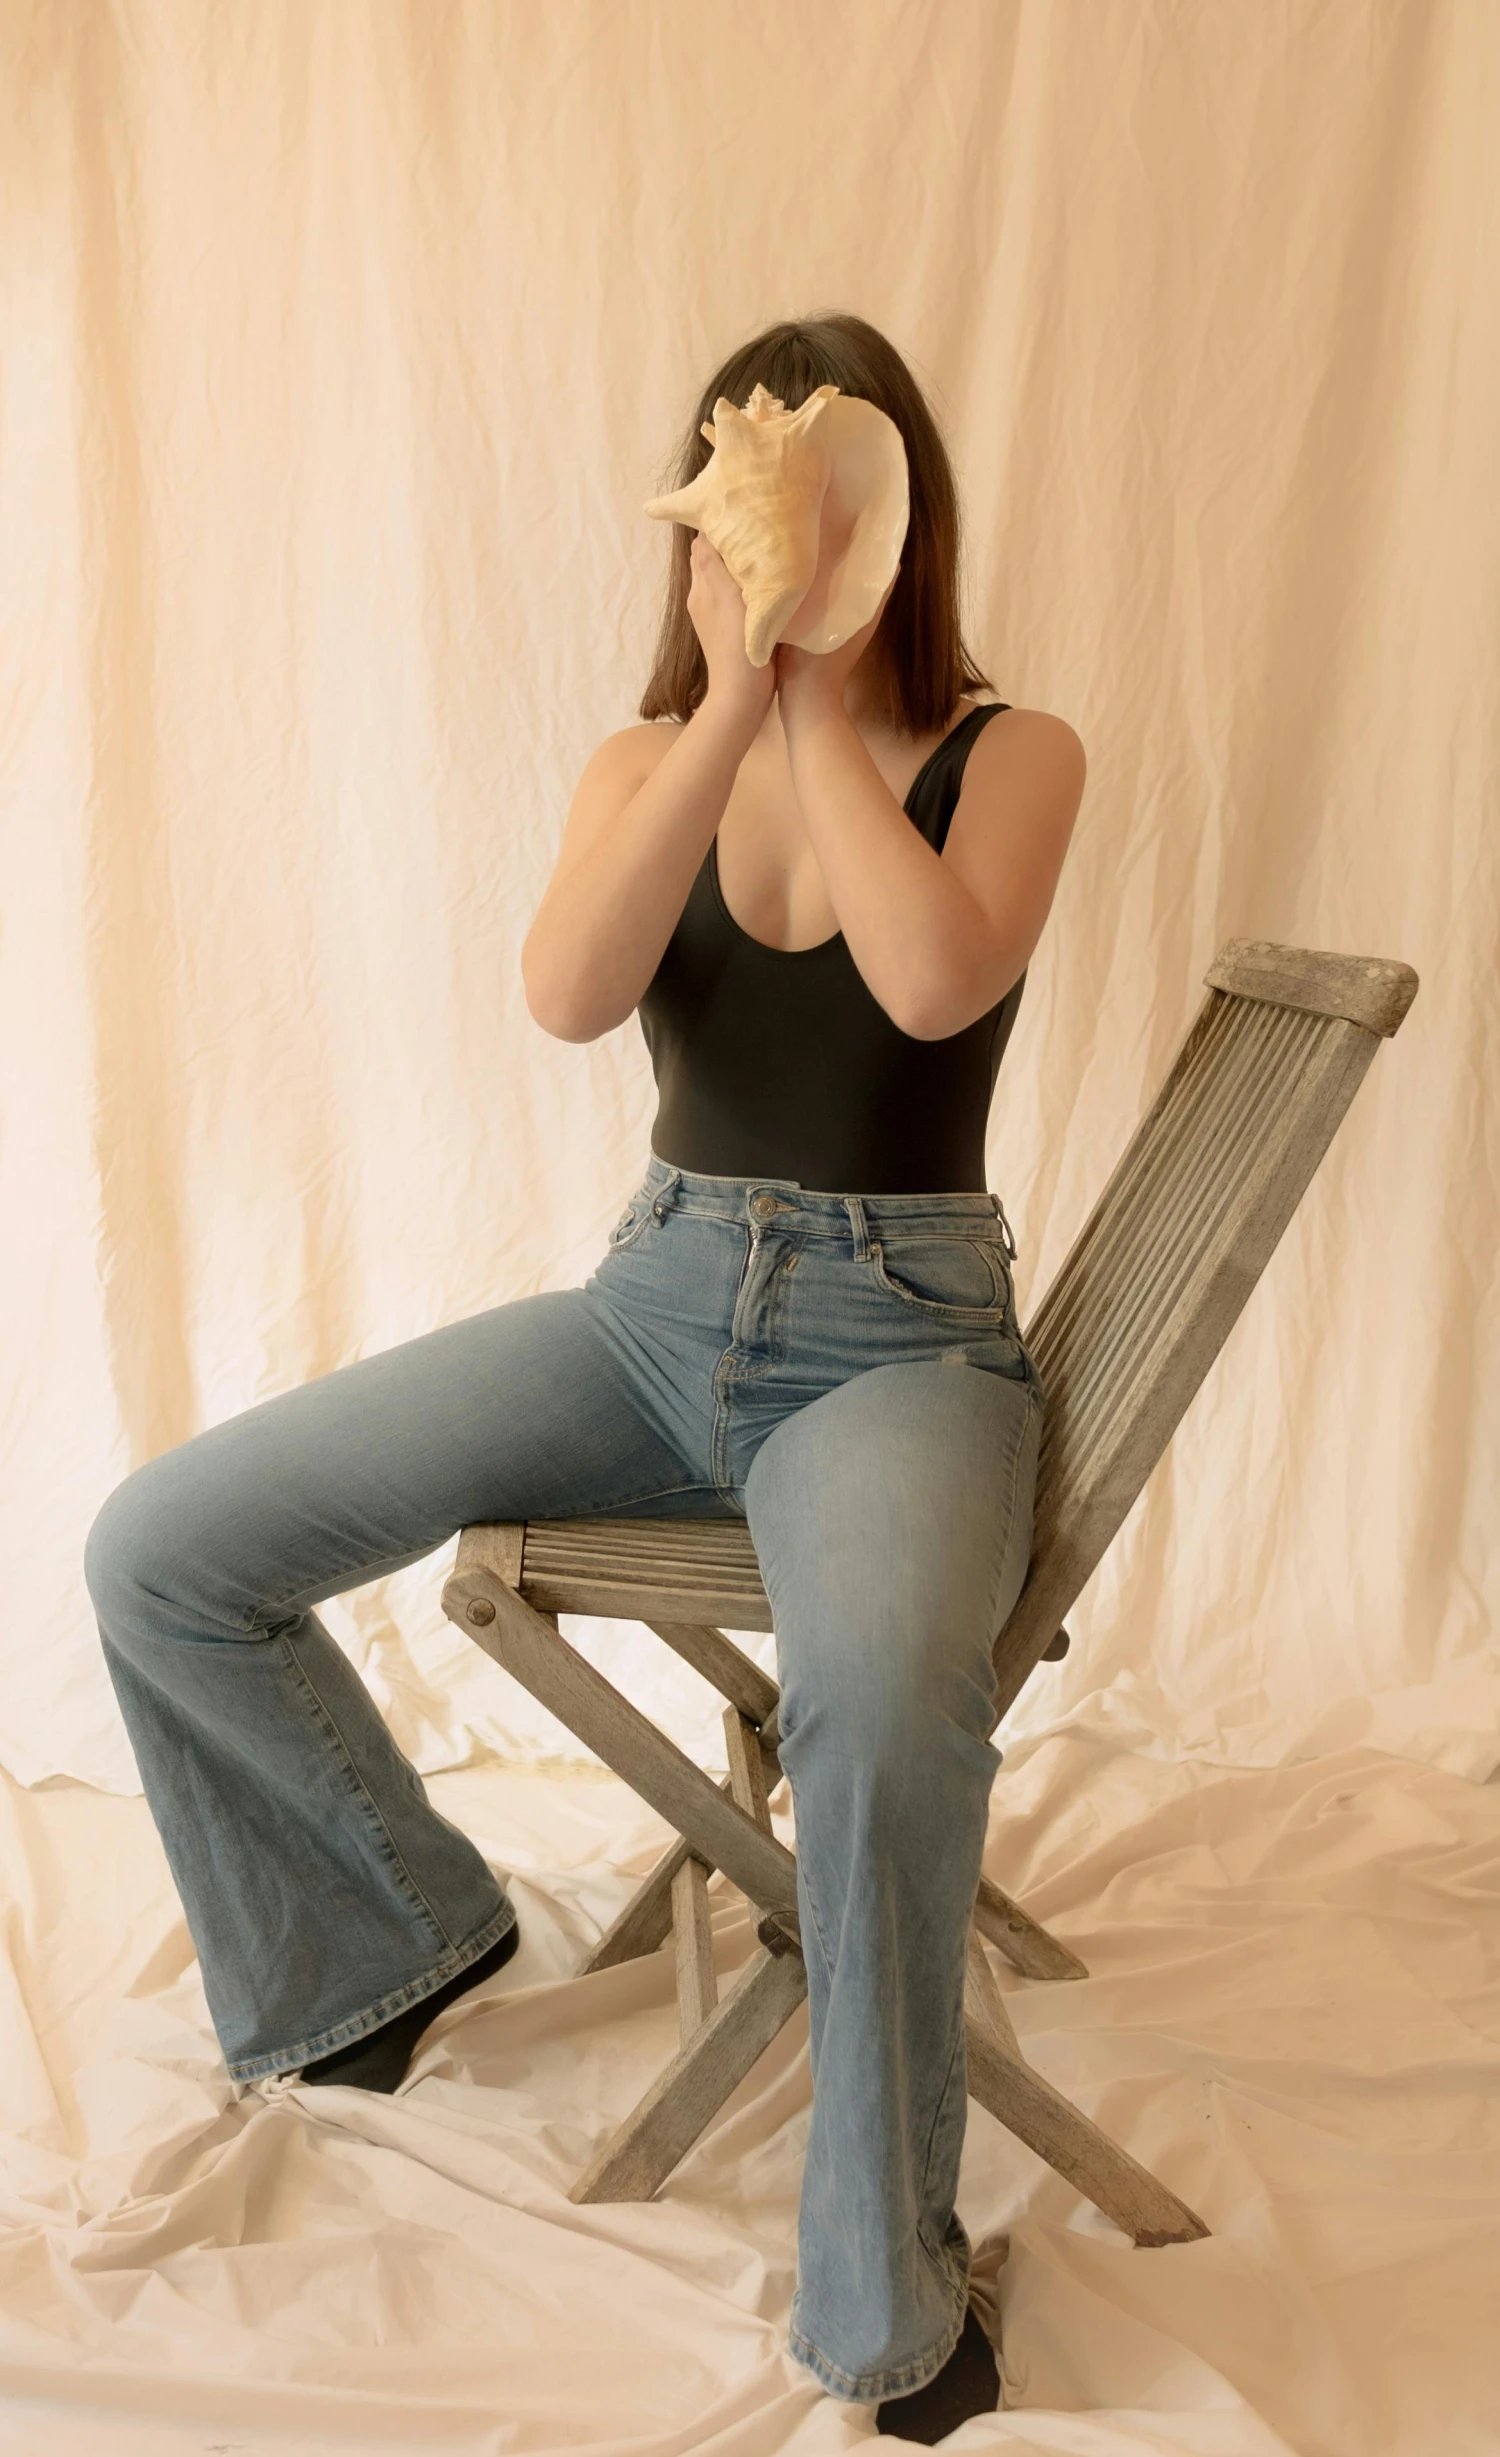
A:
632, 1223
945, 1275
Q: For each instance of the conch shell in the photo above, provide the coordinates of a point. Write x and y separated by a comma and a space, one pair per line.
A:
808, 508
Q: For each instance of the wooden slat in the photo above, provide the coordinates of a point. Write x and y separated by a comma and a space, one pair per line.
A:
734, 1674
984, 2001
688, 2094
1089, 1477
670, 1570
693, 1937
529, 1647
1068, 2140
1027, 1946
1373, 991
496, 1545
747, 1772
646, 1920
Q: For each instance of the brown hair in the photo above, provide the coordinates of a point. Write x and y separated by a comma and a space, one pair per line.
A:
921, 664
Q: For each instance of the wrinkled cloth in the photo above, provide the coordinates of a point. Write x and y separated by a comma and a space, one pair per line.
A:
1292, 2015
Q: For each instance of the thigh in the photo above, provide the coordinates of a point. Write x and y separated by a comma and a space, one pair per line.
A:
892, 1519
530, 1410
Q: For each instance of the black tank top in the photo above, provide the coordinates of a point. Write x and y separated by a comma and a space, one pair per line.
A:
779, 1062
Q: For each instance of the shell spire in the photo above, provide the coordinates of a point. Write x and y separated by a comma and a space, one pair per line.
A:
809, 509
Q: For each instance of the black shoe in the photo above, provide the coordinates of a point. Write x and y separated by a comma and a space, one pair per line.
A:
379, 2060
969, 2383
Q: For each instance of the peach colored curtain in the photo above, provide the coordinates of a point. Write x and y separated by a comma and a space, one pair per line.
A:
341, 345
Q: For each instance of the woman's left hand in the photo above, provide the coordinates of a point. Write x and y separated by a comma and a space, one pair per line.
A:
806, 677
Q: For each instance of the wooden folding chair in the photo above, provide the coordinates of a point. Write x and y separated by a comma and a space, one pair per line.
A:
1123, 1339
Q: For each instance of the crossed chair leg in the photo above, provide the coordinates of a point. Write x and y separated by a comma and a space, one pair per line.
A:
728, 1826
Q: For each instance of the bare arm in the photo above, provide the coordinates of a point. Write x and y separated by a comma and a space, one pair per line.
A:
938, 937
639, 826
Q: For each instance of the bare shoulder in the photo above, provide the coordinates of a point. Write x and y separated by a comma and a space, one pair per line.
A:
615, 770
635, 749
1026, 764
1036, 737
621, 763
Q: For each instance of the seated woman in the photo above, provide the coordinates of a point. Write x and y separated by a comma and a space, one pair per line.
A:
819, 882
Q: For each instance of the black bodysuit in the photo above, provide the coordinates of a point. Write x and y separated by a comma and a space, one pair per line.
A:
779, 1062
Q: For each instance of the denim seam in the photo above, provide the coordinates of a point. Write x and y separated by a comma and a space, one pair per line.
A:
901, 2380
357, 2026
812, 1904
938, 2105
362, 1789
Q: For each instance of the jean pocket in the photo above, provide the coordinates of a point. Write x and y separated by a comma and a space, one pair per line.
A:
946, 1274
633, 1222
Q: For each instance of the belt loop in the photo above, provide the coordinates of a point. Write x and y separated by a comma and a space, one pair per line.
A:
665, 1194
1011, 1247
856, 1210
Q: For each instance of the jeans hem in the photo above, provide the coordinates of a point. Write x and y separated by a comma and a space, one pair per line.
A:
899, 2380
286, 2062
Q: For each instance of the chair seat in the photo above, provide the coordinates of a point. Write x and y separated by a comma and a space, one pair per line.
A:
646, 1569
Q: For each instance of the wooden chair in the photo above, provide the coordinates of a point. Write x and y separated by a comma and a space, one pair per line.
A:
1123, 1338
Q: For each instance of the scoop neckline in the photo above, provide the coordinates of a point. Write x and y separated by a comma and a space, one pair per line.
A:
821, 946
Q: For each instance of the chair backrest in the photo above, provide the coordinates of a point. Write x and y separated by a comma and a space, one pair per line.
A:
1157, 1275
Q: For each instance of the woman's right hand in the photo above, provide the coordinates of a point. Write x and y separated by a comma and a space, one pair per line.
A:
716, 609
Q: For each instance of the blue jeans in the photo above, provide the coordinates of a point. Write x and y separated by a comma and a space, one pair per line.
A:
846, 1373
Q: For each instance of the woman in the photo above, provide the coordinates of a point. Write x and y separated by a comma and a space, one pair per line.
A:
820, 883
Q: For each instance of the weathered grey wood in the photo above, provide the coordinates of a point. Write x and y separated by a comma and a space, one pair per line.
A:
1369, 990
1027, 1946
643, 1923
498, 1546
1093, 2164
693, 1937
984, 2002
1201, 1197
686, 2097
734, 1674
530, 1648
701, 1571
646, 1919
747, 1772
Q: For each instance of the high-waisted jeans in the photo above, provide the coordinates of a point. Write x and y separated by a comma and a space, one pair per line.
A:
844, 1372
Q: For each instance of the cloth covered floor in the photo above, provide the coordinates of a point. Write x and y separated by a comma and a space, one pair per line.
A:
1292, 2014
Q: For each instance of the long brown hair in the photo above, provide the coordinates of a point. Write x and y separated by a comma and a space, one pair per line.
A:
922, 666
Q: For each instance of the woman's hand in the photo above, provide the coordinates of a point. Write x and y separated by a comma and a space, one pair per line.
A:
716, 609
807, 679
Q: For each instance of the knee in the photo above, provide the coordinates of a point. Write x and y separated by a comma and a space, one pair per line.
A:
902, 1701
128, 1551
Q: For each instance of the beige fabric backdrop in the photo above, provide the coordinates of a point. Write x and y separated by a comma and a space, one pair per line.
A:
341, 345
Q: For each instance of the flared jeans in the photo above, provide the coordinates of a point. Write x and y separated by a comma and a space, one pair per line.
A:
846, 1373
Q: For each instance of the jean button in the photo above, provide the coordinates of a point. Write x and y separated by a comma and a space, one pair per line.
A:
762, 1206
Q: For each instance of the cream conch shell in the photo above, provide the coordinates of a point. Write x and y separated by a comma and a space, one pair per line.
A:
809, 509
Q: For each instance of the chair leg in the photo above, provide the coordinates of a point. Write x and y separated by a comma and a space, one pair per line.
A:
527, 1644
721, 1833
721, 2044
1028, 1947
659, 2132
692, 1930
1004, 2083
1061, 2134
646, 1919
